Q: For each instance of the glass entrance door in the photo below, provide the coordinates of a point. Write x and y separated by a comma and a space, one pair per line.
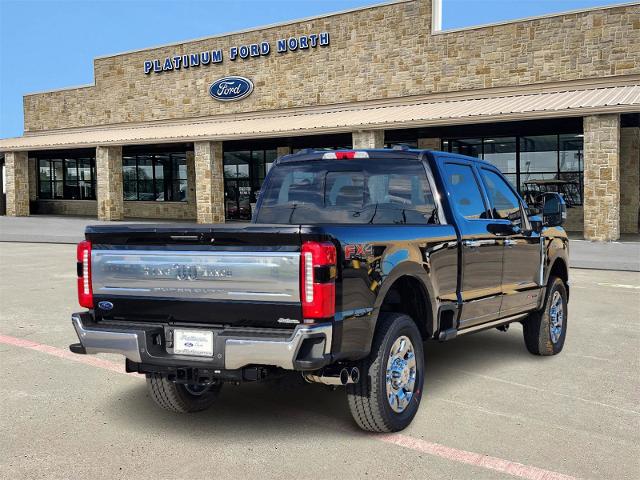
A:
237, 199
244, 172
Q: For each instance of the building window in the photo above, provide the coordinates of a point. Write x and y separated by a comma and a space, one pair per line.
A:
66, 178
244, 172
155, 177
531, 163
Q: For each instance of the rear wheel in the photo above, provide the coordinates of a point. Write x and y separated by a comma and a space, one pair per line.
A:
387, 396
181, 398
545, 330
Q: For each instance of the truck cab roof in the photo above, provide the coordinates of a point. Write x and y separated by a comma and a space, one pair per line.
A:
396, 152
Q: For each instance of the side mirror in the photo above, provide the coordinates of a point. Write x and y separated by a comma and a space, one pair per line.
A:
553, 208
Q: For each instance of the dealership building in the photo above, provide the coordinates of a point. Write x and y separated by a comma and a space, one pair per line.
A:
189, 130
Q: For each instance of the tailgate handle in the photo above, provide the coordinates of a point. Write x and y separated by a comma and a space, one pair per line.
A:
185, 238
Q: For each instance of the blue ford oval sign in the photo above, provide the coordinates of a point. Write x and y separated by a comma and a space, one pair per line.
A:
228, 89
105, 305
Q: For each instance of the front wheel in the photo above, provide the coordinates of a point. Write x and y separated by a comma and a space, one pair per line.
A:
180, 398
545, 330
387, 396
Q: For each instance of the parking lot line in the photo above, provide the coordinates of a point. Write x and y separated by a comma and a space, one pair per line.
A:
508, 467
66, 354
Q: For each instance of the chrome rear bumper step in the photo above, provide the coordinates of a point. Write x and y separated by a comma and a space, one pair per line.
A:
232, 352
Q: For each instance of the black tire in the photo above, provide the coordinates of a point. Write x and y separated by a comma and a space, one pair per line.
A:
180, 398
538, 335
368, 401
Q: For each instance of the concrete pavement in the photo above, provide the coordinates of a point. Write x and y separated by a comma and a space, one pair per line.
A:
574, 415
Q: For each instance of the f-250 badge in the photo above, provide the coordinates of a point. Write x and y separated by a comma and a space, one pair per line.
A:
358, 251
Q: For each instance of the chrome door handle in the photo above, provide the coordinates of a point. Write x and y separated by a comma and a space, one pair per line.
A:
472, 243
510, 243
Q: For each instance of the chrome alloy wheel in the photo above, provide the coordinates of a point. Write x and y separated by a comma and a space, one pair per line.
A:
401, 374
556, 315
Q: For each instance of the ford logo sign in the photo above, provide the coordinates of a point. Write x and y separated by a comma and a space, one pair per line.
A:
228, 89
105, 305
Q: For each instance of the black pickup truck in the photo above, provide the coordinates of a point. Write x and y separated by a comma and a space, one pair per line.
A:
353, 259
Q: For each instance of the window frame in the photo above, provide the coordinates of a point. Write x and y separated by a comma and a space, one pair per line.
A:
174, 157
63, 160
479, 184
523, 211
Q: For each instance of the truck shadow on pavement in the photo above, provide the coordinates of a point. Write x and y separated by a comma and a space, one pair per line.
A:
262, 410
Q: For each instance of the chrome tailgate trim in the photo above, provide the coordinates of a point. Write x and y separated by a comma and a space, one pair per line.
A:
197, 275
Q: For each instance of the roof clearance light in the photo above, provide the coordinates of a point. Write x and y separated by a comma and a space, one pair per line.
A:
344, 155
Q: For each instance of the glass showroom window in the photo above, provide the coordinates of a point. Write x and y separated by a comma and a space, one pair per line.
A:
502, 152
155, 177
532, 163
66, 178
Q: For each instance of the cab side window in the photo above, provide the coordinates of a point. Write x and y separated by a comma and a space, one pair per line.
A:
504, 203
465, 191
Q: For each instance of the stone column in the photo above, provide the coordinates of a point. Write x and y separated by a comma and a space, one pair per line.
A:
365, 139
209, 182
33, 179
16, 166
109, 182
280, 151
629, 179
602, 177
430, 143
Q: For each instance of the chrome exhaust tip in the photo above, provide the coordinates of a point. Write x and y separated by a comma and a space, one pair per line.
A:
344, 377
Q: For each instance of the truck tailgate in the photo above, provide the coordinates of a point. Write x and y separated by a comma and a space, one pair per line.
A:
228, 275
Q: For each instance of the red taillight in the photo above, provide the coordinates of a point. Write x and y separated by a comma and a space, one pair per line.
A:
85, 291
317, 280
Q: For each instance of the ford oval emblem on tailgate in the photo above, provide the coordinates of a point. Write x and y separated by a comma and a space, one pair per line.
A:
228, 89
105, 305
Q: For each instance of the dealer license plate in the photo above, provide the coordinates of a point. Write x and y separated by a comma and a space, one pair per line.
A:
193, 342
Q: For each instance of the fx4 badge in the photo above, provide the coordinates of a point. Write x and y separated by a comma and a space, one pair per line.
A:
357, 250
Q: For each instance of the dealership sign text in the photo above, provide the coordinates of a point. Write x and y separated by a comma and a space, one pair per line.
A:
193, 60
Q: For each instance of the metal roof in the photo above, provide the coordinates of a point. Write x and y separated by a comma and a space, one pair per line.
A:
573, 102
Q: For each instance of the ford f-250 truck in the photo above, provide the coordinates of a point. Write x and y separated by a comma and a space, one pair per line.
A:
353, 259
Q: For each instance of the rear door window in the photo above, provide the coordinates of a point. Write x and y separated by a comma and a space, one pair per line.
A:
464, 191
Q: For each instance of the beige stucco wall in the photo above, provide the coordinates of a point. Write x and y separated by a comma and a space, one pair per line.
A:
380, 52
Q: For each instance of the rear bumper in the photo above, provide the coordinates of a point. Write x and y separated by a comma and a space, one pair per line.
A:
308, 347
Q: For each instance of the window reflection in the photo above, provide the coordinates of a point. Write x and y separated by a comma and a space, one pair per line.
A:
532, 162
66, 177
160, 177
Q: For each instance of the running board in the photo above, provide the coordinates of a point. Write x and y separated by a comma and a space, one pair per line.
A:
493, 324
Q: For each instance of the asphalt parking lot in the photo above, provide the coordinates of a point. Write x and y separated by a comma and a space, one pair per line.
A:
490, 410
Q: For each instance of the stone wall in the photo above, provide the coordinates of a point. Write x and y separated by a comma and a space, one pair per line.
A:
375, 53
17, 183
209, 182
368, 139
168, 210
575, 220
629, 179
430, 143
602, 177
109, 183
85, 208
